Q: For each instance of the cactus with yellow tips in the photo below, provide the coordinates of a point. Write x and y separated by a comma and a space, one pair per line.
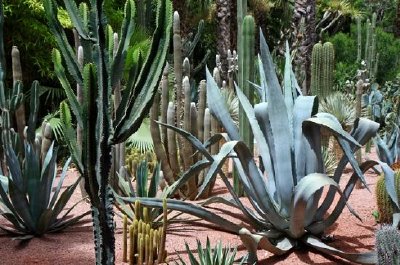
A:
146, 238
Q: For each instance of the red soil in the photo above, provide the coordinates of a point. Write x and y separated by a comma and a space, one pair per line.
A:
75, 245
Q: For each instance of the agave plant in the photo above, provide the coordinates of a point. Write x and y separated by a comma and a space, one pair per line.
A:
218, 256
287, 201
30, 204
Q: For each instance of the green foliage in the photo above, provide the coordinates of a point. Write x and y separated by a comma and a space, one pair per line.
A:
30, 205
219, 255
388, 245
387, 45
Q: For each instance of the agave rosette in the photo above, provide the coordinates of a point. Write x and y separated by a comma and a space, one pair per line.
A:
287, 201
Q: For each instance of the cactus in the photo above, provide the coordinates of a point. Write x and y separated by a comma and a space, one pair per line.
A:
322, 68
246, 75
388, 245
101, 72
371, 57
383, 201
146, 240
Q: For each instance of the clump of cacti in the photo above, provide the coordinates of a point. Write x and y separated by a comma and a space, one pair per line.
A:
146, 239
388, 245
133, 158
322, 69
383, 200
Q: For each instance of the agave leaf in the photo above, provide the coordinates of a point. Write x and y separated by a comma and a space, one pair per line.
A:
257, 132
73, 13
21, 205
33, 177
362, 258
141, 179
61, 181
287, 86
320, 226
189, 208
14, 168
155, 181
20, 228
390, 183
48, 175
218, 110
304, 191
263, 81
383, 151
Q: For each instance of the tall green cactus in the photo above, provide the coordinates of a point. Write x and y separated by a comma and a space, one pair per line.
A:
322, 69
371, 56
388, 245
101, 72
246, 74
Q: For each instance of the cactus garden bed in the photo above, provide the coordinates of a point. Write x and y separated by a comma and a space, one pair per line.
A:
75, 244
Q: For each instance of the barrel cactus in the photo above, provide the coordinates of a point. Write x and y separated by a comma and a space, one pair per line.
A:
388, 245
383, 200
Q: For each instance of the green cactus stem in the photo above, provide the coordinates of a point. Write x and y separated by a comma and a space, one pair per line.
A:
383, 200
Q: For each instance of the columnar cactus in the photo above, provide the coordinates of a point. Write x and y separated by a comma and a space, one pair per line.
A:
388, 245
102, 71
322, 69
371, 57
146, 241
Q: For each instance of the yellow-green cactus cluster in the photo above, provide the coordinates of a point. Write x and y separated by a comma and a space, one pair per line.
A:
133, 158
146, 243
383, 200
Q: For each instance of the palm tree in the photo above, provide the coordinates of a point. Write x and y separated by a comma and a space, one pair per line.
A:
303, 24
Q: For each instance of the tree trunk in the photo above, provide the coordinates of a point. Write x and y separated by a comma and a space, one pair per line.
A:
303, 25
223, 30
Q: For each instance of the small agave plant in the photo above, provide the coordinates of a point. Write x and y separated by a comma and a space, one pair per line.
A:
288, 206
218, 256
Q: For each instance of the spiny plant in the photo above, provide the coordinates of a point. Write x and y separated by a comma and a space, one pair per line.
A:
219, 255
102, 70
288, 206
388, 245
322, 69
146, 241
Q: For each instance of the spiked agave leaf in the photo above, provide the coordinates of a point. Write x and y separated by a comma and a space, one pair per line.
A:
30, 205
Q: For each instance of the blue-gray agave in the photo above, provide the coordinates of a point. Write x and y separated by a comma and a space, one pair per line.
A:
288, 205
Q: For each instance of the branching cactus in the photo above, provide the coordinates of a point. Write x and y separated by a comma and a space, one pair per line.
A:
322, 69
101, 72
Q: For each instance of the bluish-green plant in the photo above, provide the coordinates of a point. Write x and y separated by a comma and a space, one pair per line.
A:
219, 255
101, 72
388, 245
288, 206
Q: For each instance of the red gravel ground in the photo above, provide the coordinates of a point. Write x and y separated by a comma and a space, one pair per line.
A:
75, 245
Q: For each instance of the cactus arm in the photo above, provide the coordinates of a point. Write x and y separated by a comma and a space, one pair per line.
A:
177, 45
73, 13
125, 38
158, 148
172, 141
51, 12
130, 120
60, 72
34, 109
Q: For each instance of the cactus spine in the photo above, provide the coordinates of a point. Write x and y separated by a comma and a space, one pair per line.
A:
322, 68
146, 242
101, 72
388, 245
383, 200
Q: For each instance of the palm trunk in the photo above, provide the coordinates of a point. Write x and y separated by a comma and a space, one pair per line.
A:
397, 20
303, 24
223, 29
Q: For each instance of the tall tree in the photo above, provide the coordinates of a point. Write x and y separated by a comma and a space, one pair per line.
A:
303, 25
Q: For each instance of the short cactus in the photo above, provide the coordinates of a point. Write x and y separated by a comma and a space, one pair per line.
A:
384, 202
146, 242
388, 245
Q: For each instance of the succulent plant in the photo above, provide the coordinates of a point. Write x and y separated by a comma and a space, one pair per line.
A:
146, 242
288, 206
219, 255
322, 69
102, 71
388, 245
